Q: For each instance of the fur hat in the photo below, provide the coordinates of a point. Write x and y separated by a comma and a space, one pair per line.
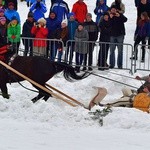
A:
42, 20
2, 19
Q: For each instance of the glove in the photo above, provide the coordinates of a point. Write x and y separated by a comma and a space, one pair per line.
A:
13, 36
28, 4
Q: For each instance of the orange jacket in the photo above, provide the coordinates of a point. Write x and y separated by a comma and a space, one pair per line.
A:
142, 102
80, 11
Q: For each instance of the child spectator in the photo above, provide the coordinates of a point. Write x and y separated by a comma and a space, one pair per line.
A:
26, 33
30, 2
13, 33
11, 12
100, 9
40, 31
2, 12
72, 26
81, 47
38, 9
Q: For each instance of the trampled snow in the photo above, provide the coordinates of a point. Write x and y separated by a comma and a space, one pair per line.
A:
54, 125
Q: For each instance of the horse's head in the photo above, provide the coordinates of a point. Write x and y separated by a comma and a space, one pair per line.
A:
69, 71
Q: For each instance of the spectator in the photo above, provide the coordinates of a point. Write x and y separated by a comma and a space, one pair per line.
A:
92, 29
52, 23
40, 31
80, 11
100, 9
137, 2
26, 33
81, 49
141, 35
105, 29
2, 12
72, 26
13, 33
61, 9
117, 34
3, 31
6, 4
2, 4
38, 9
11, 12
62, 34
119, 6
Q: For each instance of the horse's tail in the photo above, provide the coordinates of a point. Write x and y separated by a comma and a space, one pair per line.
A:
70, 74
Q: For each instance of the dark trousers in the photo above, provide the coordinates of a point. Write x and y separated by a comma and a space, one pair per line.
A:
28, 47
137, 41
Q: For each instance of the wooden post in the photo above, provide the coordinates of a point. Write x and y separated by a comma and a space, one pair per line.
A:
36, 84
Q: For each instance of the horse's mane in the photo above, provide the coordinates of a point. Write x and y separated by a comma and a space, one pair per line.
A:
69, 72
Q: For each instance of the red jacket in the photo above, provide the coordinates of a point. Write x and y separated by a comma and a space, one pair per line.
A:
39, 33
3, 50
80, 10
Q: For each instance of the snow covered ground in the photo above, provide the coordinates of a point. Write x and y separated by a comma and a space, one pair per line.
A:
54, 125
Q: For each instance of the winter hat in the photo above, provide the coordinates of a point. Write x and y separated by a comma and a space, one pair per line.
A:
42, 20
10, 3
106, 13
2, 19
1, 10
89, 14
71, 14
30, 14
113, 6
65, 21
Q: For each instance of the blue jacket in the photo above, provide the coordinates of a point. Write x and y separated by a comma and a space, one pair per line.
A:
33, 1
11, 13
99, 11
52, 25
72, 26
61, 9
39, 11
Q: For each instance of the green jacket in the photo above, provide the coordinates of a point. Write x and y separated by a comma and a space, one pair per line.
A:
16, 30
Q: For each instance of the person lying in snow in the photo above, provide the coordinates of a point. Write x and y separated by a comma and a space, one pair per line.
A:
139, 99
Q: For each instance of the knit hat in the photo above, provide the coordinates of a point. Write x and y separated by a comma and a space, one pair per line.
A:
30, 14
42, 20
106, 13
10, 3
71, 14
2, 19
1, 10
65, 21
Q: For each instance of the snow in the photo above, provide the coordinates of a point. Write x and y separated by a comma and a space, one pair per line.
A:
58, 126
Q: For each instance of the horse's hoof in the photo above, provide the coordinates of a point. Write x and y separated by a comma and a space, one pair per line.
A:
5, 95
34, 100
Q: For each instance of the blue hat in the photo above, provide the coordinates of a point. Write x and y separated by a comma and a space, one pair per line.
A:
71, 14
14, 18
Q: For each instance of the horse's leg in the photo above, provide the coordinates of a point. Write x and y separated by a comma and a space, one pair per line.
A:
35, 99
4, 90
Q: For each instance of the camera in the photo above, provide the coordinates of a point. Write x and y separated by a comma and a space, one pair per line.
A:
36, 23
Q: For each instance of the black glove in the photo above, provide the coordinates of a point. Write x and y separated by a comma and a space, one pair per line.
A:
28, 4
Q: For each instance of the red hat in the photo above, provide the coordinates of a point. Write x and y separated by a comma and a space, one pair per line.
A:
10, 3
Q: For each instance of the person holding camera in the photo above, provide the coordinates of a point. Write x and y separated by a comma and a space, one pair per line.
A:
38, 9
40, 32
117, 34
